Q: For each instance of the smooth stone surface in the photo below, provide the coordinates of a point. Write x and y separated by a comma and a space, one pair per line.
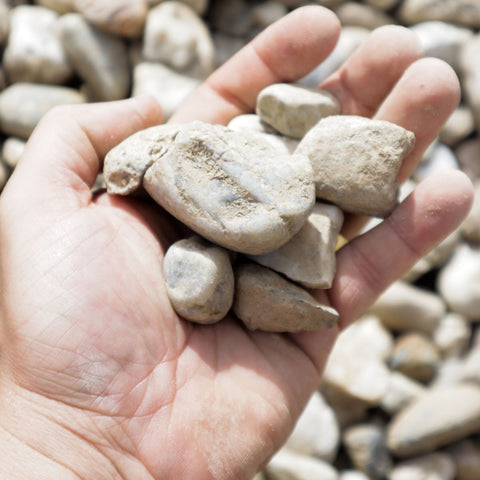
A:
125, 165
471, 225
285, 465
316, 432
352, 475
452, 335
22, 105
232, 189
169, 88
463, 12
309, 257
176, 36
468, 153
12, 150
470, 72
266, 301
416, 356
356, 161
361, 15
293, 110
199, 280
356, 366
366, 446
99, 58
404, 307
34, 52
459, 281
400, 392
438, 418
466, 456
125, 18
435, 466
459, 126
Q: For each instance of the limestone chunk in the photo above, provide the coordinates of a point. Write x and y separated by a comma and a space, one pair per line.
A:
266, 301
199, 280
293, 110
356, 161
309, 257
232, 189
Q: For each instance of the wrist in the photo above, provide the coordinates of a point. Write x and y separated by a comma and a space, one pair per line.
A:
36, 442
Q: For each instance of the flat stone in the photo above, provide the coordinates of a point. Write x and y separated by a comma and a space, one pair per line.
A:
293, 110
34, 52
403, 307
435, 466
176, 36
12, 150
199, 280
309, 257
316, 432
466, 456
232, 189
99, 58
366, 446
285, 465
416, 356
438, 418
266, 301
471, 225
401, 391
125, 165
356, 161
459, 281
462, 12
22, 105
169, 88
452, 335
125, 18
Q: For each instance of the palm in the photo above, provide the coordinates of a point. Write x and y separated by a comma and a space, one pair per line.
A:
87, 323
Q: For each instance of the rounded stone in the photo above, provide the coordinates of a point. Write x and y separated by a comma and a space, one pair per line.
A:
199, 280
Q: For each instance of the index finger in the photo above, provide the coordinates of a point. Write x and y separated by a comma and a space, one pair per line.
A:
284, 52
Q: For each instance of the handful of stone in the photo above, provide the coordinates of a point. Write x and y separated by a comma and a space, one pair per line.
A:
266, 197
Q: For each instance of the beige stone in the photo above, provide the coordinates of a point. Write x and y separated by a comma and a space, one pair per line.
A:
459, 126
466, 455
471, 225
452, 335
435, 466
12, 150
361, 15
400, 392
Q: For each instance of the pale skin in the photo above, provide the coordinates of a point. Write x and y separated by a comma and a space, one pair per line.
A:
99, 378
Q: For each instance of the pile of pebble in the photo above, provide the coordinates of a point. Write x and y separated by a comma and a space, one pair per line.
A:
400, 398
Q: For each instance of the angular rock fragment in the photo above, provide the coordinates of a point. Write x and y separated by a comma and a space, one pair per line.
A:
309, 257
266, 301
232, 189
99, 58
294, 110
125, 165
356, 161
199, 280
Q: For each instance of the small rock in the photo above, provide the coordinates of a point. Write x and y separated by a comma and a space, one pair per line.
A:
352, 475
459, 126
34, 52
462, 12
294, 110
22, 105
169, 88
199, 6
285, 465
438, 418
415, 356
401, 391
361, 15
440, 159
233, 17
452, 335
448, 374
199, 280
471, 225
366, 447
405, 307
356, 161
435, 466
382, 4
59, 6
176, 36
466, 456
471, 74
468, 153
125, 18
459, 281
470, 368
266, 301
99, 58
317, 431
232, 189
356, 364
12, 150
268, 12
125, 165
309, 257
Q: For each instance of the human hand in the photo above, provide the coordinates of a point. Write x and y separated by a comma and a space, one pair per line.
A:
100, 378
